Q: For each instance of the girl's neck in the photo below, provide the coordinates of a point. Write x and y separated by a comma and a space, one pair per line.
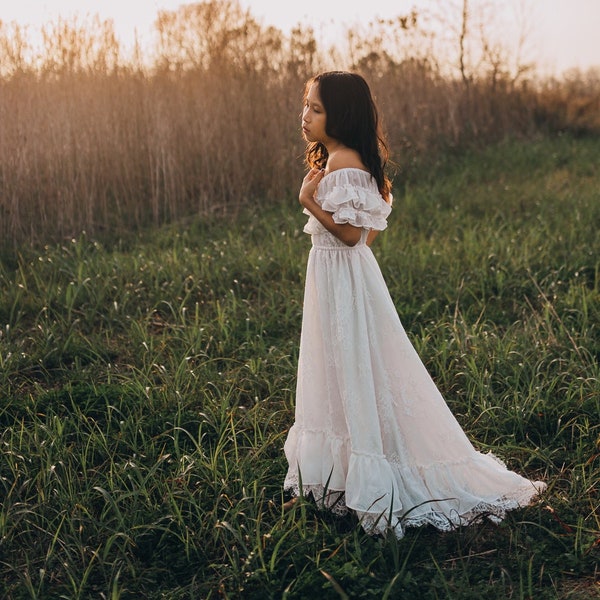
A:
334, 146
340, 156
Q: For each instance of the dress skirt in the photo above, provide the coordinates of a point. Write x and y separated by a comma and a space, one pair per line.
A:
372, 433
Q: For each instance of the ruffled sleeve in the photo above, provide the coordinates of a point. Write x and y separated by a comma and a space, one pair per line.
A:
352, 196
358, 206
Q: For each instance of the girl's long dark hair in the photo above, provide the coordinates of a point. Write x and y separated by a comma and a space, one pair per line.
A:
352, 119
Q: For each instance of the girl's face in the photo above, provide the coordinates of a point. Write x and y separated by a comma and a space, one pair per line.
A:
314, 117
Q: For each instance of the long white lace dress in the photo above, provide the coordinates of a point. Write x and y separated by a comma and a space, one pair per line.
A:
372, 433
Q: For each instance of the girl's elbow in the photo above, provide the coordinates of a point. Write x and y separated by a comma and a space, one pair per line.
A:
348, 234
352, 239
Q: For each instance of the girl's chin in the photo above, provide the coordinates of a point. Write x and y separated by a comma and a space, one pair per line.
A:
306, 135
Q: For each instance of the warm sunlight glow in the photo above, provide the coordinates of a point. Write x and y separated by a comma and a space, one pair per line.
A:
561, 33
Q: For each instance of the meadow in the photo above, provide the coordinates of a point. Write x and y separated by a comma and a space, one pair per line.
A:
151, 277
147, 385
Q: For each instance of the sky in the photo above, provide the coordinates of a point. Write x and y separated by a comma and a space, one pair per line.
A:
562, 33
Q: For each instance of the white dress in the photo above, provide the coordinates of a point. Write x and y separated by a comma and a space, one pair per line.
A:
372, 432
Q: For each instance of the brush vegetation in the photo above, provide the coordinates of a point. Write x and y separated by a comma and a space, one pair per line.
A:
205, 119
147, 386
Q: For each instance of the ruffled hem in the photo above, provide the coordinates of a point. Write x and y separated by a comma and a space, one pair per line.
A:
380, 523
385, 494
317, 451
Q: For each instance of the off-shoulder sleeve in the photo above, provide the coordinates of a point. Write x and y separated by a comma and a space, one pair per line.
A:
357, 205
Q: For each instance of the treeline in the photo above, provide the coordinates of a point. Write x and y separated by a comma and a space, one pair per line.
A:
101, 139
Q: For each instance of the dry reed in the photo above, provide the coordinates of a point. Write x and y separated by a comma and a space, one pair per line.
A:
93, 140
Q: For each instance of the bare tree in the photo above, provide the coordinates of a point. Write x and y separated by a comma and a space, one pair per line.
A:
462, 38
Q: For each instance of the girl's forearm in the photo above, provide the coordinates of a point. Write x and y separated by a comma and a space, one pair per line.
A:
349, 234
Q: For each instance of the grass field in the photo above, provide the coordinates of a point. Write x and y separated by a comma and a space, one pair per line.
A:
147, 385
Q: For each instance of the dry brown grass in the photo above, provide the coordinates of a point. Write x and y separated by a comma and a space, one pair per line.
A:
571, 104
92, 140
580, 589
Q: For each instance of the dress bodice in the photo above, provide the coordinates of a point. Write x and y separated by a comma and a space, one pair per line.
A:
352, 196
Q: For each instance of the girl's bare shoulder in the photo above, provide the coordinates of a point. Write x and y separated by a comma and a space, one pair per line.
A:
344, 158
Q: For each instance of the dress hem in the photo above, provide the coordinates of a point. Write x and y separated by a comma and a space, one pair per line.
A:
378, 523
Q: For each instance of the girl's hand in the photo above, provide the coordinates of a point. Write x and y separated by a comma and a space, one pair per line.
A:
349, 234
309, 186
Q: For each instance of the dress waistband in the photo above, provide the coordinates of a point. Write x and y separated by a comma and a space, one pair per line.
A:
341, 248
327, 241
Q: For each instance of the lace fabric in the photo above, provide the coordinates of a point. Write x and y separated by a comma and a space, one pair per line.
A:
445, 514
372, 433
378, 523
351, 195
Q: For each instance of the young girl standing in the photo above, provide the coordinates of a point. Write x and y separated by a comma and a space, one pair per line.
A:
372, 432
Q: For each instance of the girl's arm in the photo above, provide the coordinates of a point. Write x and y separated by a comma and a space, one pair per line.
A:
371, 237
349, 234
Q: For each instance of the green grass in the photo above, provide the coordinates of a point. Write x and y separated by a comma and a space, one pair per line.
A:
147, 385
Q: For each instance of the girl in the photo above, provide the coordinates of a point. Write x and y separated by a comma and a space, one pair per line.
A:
372, 432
